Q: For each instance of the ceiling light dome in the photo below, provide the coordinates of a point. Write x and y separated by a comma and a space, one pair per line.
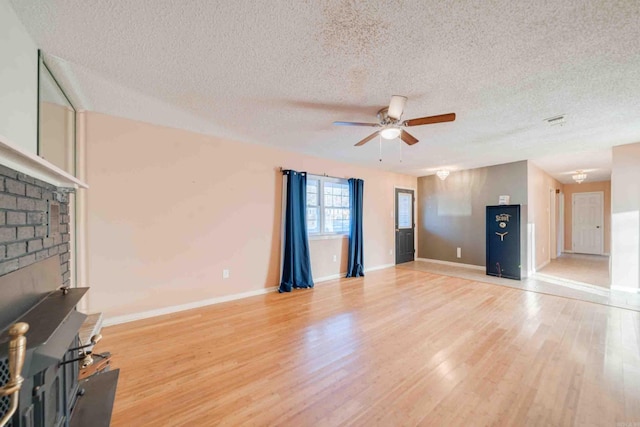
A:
390, 132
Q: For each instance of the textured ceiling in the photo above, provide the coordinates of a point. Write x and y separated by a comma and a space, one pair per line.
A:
280, 73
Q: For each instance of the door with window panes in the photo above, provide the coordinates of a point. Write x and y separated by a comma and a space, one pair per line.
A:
327, 206
405, 226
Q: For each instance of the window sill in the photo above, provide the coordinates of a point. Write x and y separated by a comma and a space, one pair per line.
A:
327, 236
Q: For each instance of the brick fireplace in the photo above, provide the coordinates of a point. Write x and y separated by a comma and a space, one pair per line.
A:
34, 264
26, 236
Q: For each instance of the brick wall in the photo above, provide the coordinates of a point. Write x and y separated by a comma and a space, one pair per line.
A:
25, 236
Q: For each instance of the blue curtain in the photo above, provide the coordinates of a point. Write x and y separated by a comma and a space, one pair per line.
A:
296, 263
355, 267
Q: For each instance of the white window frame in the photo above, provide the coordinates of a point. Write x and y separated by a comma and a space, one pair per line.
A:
321, 234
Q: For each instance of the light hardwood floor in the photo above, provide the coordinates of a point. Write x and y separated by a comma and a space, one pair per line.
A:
399, 347
592, 269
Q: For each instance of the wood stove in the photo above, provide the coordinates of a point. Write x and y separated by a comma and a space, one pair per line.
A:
51, 395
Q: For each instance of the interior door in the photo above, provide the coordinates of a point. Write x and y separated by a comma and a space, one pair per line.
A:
587, 223
405, 226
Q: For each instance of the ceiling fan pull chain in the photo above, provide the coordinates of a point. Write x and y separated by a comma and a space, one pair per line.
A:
380, 140
400, 142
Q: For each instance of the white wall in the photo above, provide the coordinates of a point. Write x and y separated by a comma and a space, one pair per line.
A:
18, 81
625, 217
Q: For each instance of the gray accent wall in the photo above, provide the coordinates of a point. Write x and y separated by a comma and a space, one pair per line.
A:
451, 213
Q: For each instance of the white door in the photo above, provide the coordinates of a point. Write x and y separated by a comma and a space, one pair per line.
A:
588, 224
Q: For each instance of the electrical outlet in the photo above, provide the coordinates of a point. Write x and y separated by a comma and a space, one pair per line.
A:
225, 274
459, 253
335, 258
390, 251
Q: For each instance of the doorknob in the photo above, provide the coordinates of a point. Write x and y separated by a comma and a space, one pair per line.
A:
597, 226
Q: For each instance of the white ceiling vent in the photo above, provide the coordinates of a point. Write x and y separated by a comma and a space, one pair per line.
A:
555, 120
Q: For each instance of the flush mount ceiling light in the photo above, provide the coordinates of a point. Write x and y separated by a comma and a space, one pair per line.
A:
579, 176
390, 132
442, 174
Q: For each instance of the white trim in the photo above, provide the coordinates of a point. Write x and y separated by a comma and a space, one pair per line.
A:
566, 251
330, 277
182, 307
344, 274
454, 264
17, 158
327, 236
328, 178
404, 188
560, 225
626, 289
379, 267
197, 304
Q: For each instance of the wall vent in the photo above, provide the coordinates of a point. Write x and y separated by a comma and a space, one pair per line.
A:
556, 120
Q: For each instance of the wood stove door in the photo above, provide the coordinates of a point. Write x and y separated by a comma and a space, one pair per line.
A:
49, 398
71, 371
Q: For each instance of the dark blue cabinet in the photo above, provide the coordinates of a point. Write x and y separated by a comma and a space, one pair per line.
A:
503, 241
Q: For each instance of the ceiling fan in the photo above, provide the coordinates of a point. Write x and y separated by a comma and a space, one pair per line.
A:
391, 125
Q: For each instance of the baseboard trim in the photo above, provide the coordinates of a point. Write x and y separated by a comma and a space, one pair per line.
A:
453, 264
572, 252
379, 267
327, 278
116, 320
626, 289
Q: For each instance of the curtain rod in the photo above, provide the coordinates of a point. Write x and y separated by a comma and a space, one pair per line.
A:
316, 174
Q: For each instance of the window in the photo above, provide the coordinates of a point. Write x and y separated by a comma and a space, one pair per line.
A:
327, 205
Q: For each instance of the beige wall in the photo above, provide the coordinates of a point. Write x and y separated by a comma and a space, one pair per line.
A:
56, 135
587, 187
625, 217
541, 214
168, 210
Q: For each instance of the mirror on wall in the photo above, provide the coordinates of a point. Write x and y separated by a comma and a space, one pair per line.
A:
56, 121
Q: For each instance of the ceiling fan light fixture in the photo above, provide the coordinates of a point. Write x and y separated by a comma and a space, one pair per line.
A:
579, 176
442, 174
390, 132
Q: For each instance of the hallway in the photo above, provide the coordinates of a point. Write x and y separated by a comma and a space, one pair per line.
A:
579, 268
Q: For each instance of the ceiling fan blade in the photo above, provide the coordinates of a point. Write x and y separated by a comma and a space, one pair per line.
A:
367, 139
408, 138
355, 124
430, 120
396, 106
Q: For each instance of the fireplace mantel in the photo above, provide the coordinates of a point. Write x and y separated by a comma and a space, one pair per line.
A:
15, 157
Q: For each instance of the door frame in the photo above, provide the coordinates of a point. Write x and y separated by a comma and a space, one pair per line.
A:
552, 225
415, 221
560, 228
573, 217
